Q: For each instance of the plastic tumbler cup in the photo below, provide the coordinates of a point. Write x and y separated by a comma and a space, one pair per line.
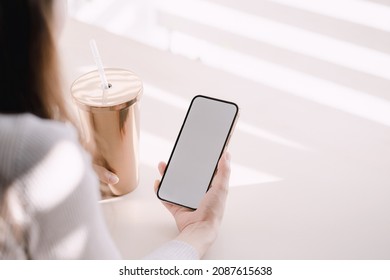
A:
110, 123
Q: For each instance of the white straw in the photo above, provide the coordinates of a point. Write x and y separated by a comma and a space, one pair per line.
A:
99, 64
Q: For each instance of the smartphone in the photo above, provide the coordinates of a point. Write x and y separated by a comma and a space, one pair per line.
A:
205, 133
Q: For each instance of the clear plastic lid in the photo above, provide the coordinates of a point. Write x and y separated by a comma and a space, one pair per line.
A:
125, 89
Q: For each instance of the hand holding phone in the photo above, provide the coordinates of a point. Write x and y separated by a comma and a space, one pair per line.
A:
200, 228
202, 139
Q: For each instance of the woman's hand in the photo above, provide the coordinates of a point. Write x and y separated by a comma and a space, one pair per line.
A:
105, 176
107, 179
200, 227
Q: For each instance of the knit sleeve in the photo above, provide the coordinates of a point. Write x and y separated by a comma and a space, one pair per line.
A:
174, 250
52, 197
61, 194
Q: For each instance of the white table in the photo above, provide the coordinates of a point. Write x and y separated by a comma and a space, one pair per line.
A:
309, 181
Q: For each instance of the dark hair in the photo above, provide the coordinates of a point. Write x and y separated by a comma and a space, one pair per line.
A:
29, 78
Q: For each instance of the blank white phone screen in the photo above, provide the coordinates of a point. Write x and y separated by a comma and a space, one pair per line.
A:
197, 151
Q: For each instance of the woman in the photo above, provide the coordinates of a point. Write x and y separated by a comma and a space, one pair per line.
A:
48, 188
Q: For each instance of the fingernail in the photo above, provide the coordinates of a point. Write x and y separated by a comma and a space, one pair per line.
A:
112, 178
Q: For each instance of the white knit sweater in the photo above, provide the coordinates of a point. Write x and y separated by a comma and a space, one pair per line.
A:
49, 196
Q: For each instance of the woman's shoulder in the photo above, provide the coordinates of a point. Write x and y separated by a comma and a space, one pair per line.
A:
20, 126
29, 126
26, 139
47, 175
